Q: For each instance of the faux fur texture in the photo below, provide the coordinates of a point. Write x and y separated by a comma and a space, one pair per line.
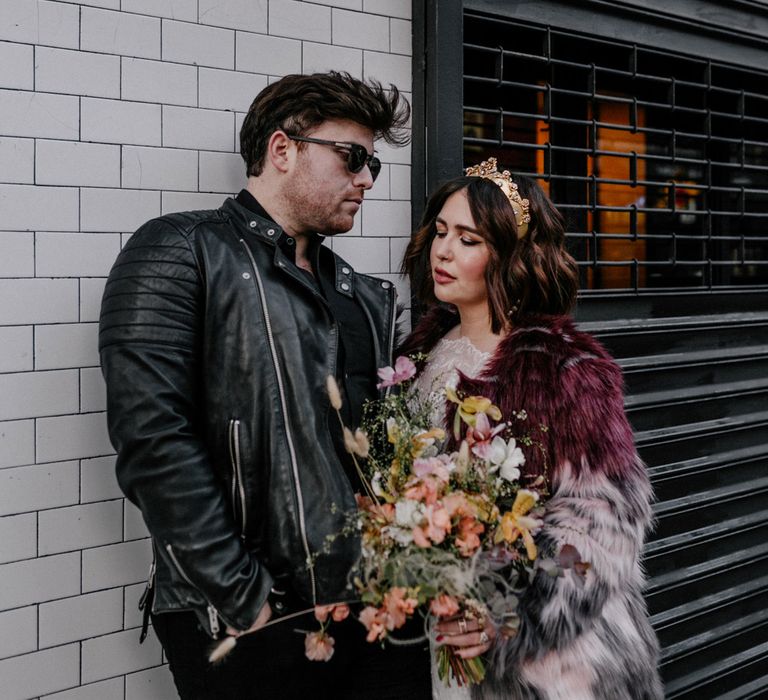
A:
590, 642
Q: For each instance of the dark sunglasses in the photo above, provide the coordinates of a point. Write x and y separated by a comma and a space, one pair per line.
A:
357, 155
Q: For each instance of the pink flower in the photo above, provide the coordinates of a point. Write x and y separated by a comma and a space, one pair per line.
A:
373, 620
436, 526
318, 646
433, 475
404, 369
444, 606
432, 466
480, 436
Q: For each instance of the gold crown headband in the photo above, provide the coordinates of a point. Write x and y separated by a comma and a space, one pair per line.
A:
520, 206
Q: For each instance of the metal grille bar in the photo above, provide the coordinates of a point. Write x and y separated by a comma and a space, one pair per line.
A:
659, 161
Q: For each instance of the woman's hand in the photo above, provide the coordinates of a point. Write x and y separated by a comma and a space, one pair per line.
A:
468, 636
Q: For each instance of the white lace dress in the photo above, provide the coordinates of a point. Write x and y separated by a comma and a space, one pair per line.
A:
443, 363
448, 356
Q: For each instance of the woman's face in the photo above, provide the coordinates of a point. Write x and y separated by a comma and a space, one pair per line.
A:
459, 255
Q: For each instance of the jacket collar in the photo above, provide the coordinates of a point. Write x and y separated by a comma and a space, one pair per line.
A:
269, 232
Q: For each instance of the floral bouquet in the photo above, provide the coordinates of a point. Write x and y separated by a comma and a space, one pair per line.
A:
443, 533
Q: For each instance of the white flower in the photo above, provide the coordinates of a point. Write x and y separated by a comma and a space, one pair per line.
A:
376, 484
403, 536
448, 461
408, 513
506, 457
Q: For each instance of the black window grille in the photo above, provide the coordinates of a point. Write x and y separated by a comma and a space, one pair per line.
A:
659, 160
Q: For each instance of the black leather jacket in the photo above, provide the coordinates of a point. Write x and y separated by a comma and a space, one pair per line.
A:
215, 349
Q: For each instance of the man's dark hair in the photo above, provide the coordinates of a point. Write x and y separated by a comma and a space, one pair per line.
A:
297, 103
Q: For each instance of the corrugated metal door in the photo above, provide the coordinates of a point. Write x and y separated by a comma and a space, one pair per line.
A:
659, 159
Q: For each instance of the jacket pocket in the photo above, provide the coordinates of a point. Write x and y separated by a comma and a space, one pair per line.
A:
239, 508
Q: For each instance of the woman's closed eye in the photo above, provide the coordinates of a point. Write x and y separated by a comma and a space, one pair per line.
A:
464, 240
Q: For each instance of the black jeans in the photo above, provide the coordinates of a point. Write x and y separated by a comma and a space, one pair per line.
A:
271, 663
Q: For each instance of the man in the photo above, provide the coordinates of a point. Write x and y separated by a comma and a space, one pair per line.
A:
218, 332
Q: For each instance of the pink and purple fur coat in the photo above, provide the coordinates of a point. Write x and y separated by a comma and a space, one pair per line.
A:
590, 642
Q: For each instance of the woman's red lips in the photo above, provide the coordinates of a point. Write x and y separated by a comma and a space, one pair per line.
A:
441, 276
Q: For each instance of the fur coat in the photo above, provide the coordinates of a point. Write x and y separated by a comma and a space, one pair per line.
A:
590, 642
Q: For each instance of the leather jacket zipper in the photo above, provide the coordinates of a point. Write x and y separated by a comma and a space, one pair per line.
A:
149, 587
147, 600
392, 329
392, 321
238, 487
213, 614
284, 408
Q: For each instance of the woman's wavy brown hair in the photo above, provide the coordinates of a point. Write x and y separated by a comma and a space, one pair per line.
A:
532, 275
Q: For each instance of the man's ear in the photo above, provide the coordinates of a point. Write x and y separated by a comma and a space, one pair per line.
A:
280, 151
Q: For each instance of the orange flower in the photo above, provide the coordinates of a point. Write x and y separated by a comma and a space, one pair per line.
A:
398, 607
424, 490
340, 612
384, 512
337, 612
467, 539
444, 605
318, 646
456, 503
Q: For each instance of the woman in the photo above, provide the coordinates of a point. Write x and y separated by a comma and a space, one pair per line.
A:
490, 268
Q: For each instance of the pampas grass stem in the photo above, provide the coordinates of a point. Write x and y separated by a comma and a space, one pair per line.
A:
221, 650
225, 646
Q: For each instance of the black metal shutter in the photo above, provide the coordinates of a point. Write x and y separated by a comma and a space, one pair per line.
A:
659, 159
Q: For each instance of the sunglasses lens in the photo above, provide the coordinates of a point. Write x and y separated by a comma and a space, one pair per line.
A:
375, 167
357, 159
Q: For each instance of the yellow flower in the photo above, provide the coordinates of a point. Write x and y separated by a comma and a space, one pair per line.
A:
421, 441
393, 431
470, 408
517, 523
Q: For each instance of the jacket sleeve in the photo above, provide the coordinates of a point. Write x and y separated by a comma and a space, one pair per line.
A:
150, 340
600, 504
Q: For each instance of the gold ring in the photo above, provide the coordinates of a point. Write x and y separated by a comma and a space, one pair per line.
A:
463, 626
484, 638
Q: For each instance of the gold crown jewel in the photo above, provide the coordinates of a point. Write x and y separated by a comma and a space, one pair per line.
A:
520, 206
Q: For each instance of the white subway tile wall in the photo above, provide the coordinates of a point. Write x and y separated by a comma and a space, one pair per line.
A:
111, 113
